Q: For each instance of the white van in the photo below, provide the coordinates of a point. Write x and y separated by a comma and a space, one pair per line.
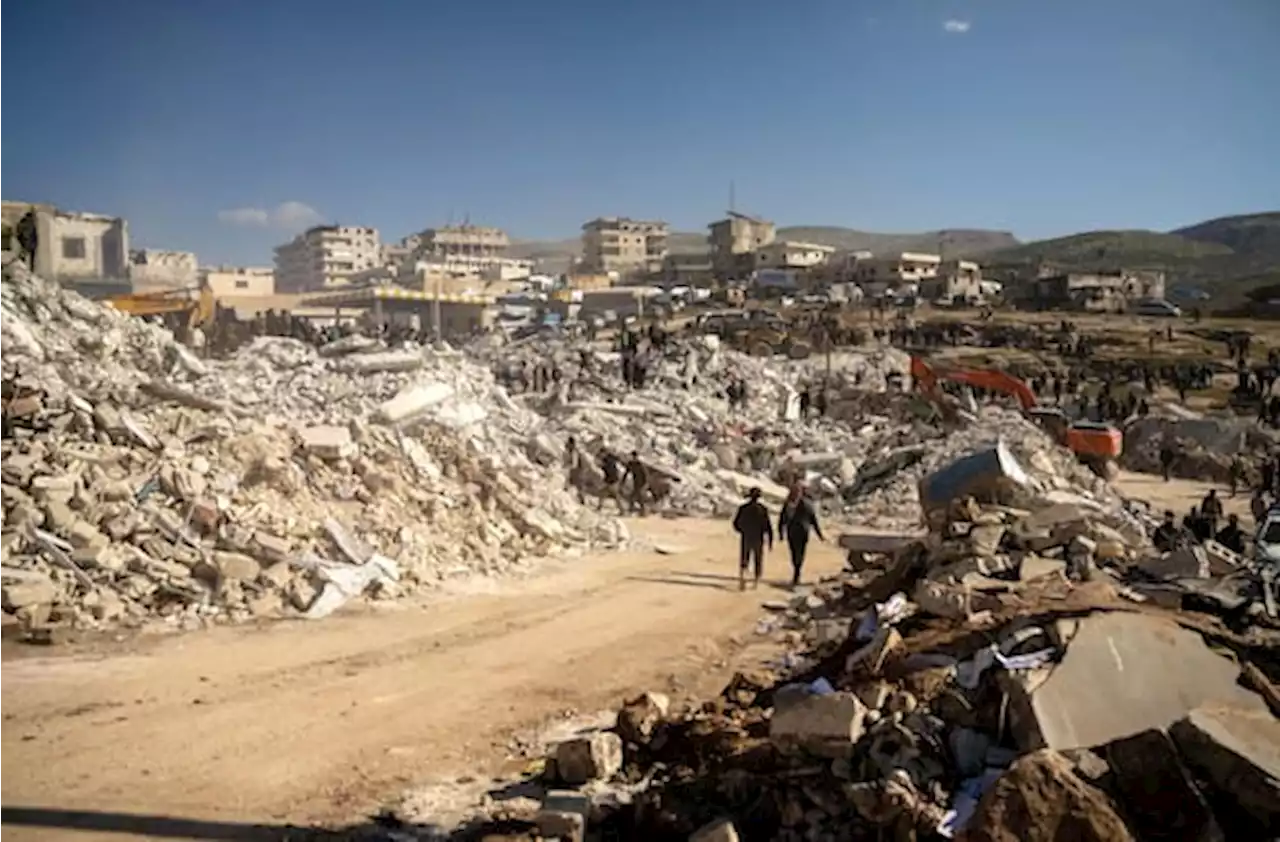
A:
1156, 307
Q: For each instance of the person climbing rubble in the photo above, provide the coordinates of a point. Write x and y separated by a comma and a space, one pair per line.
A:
795, 521
638, 473
753, 525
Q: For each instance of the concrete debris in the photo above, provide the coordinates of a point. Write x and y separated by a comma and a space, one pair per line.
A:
982, 690
171, 492
591, 758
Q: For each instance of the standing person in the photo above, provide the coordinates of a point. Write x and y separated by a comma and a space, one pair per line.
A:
753, 527
794, 523
1166, 460
1236, 474
639, 475
1211, 511
1258, 506
609, 466
573, 465
28, 238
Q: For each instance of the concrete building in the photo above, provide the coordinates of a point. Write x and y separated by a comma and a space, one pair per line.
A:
74, 246
227, 281
153, 270
325, 257
734, 242
957, 281
789, 254
688, 270
1096, 291
618, 244
467, 241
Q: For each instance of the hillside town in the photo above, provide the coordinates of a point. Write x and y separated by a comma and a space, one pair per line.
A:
458, 280
991, 494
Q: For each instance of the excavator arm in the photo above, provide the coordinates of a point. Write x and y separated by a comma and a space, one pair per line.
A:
997, 381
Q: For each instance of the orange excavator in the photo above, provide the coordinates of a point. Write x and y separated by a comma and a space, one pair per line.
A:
1097, 446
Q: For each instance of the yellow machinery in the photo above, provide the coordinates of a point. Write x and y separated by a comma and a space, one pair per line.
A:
193, 307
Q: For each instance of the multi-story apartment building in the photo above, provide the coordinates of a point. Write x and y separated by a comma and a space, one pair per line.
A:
880, 275
326, 256
461, 241
619, 244
734, 241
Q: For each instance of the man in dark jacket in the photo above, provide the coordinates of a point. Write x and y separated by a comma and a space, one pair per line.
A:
1231, 536
753, 527
638, 473
794, 523
1211, 511
1166, 536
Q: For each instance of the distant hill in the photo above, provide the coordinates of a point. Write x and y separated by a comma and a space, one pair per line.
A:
1225, 257
959, 242
556, 255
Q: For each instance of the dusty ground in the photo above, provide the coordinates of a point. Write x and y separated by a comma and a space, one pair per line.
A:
320, 722
1181, 494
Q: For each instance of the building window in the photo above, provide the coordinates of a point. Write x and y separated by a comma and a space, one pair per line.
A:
242, 284
73, 248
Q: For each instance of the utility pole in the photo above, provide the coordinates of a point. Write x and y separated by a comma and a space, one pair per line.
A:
732, 206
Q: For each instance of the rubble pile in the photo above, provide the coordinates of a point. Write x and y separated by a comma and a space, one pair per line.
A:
1009, 674
146, 487
1204, 446
862, 457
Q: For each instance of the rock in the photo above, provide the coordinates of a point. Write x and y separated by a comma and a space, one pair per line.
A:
640, 717
827, 724
235, 566
1237, 750
592, 758
564, 815
1040, 799
271, 547
720, 830
985, 540
81, 533
60, 488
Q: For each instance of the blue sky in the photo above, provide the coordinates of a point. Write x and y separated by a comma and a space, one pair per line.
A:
222, 127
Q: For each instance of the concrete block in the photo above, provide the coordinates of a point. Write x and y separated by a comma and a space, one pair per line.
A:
827, 725
17, 595
236, 566
81, 533
592, 758
413, 401
328, 442
60, 488
1222, 561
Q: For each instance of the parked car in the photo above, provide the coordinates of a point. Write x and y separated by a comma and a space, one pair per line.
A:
1158, 308
1266, 542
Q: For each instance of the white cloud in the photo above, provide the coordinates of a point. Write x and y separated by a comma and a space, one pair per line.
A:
255, 217
957, 27
291, 214
295, 215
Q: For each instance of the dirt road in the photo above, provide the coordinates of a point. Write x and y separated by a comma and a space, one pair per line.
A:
301, 722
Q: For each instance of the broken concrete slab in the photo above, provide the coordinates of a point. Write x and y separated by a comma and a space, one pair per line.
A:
1237, 750
1182, 563
878, 542
1122, 674
413, 402
1157, 795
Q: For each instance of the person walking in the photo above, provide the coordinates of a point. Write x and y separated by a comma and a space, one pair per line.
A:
1166, 461
795, 522
638, 472
753, 526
